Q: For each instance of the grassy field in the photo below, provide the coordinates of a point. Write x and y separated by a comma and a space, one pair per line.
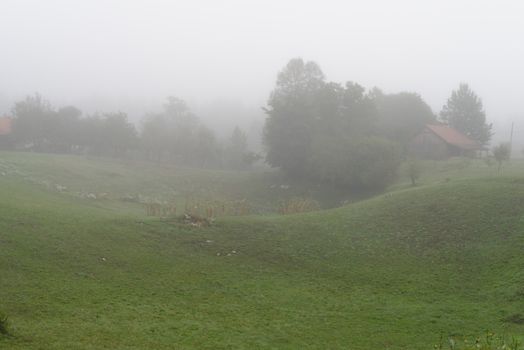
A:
123, 184
392, 272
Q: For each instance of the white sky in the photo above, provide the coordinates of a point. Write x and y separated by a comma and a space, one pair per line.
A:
138, 52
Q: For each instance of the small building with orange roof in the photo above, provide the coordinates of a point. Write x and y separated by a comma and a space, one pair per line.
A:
438, 141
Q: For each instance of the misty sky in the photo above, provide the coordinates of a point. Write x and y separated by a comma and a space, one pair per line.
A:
131, 54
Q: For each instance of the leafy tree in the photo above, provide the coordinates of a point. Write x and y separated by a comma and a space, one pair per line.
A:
108, 134
414, 168
464, 112
183, 126
176, 134
118, 134
63, 129
326, 131
501, 153
291, 112
363, 162
32, 117
236, 149
401, 116
155, 136
206, 151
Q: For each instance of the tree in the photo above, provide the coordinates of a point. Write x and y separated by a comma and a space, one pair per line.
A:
64, 129
464, 112
401, 116
291, 112
326, 131
206, 147
32, 117
155, 136
236, 149
118, 134
501, 153
176, 134
183, 126
354, 162
413, 170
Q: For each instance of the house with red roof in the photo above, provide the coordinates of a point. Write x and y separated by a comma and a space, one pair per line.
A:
438, 141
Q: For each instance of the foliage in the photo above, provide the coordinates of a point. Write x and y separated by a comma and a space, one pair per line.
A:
414, 169
4, 325
401, 116
291, 112
173, 135
298, 205
40, 127
325, 131
367, 163
464, 112
32, 121
236, 150
501, 153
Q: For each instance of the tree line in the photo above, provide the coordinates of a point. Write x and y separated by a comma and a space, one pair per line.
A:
347, 136
341, 134
173, 135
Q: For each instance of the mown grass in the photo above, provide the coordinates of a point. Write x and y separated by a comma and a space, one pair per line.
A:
393, 272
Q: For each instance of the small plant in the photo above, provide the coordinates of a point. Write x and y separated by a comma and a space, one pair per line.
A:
414, 170
501, 153
298, 205
160, 209
4, 325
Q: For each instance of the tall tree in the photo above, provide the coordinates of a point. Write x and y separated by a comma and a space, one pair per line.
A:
291, 112
464, 112
401, 116
236, 149
326, 131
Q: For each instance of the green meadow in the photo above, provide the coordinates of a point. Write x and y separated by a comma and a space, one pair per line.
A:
83, 267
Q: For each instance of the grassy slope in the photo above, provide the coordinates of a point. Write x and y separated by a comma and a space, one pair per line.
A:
262, 189
391, 272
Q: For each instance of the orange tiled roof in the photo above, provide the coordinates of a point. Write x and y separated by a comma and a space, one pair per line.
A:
454, 137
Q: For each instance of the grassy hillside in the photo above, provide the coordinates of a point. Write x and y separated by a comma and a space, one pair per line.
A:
122, 184
392, 272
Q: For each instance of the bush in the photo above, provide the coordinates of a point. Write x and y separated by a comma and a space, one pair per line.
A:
298, 205
414, 168
4, 325
366, 163
501, 153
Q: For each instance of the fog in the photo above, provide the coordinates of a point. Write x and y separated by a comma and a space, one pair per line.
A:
130, 55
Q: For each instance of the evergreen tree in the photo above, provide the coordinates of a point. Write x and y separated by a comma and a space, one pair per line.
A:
464, 112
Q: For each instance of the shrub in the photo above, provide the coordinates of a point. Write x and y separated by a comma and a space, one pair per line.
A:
413, 170
4, 325
501, 153
298, 205
366, 163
